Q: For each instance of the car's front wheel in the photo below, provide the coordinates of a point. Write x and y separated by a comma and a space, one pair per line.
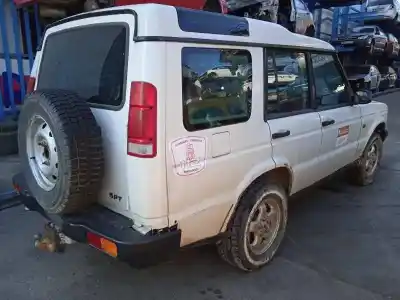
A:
371, 50
365, 168
257, 228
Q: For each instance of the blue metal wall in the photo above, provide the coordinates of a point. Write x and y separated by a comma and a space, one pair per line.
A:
16, 50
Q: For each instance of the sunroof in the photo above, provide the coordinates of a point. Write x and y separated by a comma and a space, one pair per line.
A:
207, 22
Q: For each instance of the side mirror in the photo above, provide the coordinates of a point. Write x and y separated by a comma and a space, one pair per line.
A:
363, 96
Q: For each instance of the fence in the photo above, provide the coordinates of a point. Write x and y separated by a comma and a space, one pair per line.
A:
20, 33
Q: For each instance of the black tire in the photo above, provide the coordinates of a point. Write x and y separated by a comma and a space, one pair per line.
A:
233, 247
78, 150
310, 31
8, 137
371, 50
358, 173
212, 6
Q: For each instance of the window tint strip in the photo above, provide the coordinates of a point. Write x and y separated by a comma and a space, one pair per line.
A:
208, 22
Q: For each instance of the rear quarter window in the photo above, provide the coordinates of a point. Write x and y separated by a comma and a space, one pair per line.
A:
216, 87
89, 61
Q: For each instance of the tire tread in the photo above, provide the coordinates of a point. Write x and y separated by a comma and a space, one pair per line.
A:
80, 142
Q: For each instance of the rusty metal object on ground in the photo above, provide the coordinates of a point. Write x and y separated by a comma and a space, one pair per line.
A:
50, 240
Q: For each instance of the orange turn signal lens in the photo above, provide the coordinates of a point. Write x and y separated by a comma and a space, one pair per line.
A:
102, 244
109, 247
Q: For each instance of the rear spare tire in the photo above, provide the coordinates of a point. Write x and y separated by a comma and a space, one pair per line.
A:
61, 152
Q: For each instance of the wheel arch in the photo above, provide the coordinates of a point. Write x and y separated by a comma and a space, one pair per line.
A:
282, 174
310, 31
381, 130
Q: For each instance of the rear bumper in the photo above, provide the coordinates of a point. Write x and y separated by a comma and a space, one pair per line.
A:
133, 247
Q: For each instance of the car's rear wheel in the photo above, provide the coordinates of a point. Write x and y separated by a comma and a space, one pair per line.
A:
257, 228
310, 31
213, 6
61, 151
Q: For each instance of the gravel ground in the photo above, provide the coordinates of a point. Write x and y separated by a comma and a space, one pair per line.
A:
343, 243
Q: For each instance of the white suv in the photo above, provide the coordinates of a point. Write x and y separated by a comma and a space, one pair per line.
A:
149, 128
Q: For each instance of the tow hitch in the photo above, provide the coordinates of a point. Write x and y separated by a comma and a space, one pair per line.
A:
51, 240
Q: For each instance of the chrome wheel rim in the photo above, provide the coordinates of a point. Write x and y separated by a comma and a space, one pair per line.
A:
42, 153
372, 159
263, 225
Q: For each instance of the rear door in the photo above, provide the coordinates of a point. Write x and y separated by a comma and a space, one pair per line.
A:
215, 133
89, 57
295, 126
340, 119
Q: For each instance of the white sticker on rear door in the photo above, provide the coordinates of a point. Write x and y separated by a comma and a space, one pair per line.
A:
189, 155
343, 135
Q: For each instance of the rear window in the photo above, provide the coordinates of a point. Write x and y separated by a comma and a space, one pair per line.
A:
89, 61
216, 87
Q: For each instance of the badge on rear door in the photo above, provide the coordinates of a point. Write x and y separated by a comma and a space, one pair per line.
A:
343, 135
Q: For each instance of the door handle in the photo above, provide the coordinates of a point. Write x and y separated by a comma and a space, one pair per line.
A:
328, 122
280, 134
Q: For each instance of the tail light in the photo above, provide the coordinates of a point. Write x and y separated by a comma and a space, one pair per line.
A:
31, 85
142, 122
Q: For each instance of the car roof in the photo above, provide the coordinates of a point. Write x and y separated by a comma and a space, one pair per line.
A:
156, 20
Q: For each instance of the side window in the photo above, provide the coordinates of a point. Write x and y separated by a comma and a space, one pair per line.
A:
287, 90
330, 87
216, 87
